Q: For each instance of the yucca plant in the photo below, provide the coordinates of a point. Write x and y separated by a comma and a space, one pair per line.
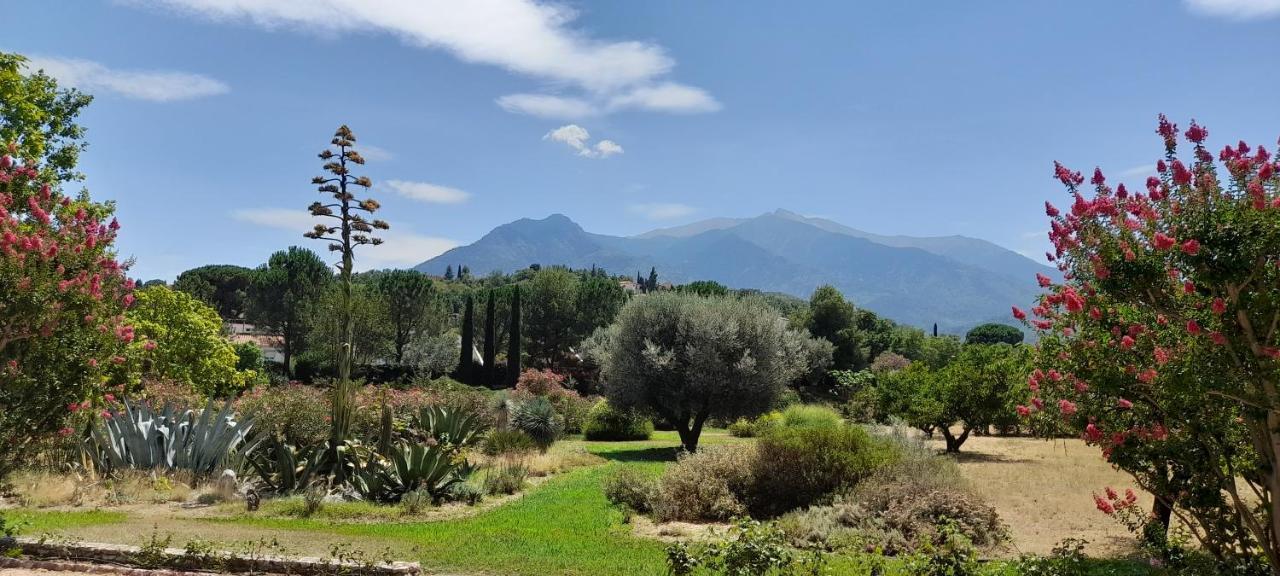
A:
452, 427
537, 418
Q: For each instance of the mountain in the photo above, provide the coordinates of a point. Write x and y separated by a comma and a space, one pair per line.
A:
954, 281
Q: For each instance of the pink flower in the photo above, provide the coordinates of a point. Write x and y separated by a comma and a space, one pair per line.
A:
1043, 280
1050, 210
1219, 306
1193, 327
65, 432
1164, 241
1023, 411
1092, 433
1067, 407
109, 397
1191, 247
1189, 287
149, 345
1148, 376
1197, 133
1038, 403
1218, 338
1019, 314
1162, 356
1126, 342
1124, 404
1103, 505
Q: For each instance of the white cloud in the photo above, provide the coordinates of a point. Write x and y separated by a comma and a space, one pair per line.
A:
577, 138
535, 38
375, 153
400, 246
607, 148
666, 97
153, 85
428, 192
1238, 9
548, 106
662, 211
1138, 171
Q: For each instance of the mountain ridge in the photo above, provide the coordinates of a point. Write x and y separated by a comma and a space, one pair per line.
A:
955, 281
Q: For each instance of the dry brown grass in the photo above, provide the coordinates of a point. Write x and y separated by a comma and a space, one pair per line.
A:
45, 489
1044, 491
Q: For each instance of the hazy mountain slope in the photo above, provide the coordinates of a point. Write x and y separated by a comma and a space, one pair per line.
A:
778, 252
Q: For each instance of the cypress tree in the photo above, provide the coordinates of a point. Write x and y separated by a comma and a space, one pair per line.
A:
653, 280
448, 272
490, 347
513, 350
465, 371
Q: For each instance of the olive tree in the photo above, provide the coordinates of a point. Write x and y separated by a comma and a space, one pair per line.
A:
687, 358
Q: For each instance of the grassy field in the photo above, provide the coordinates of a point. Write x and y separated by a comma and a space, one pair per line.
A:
564, 525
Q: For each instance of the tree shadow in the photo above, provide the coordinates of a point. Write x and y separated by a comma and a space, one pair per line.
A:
660, 454
983, 457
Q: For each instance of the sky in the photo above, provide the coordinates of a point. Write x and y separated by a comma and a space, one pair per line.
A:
896, 117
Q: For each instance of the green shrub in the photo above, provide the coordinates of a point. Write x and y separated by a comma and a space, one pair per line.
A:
749, 548
710, 484
742, 428
631, 487
605, 423
464, 492
537, 418
415, 501
800, 466
574, 410
508, 441
810, 416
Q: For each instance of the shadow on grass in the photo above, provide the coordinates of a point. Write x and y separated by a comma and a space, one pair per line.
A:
963, 456
661, 454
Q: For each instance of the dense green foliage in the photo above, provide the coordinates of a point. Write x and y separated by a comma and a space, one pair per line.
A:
224, 287
977, 389
189, 346
687, 358
281, 294
605, 423
994, 334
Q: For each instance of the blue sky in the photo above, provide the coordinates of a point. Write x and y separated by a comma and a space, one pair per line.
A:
906, 117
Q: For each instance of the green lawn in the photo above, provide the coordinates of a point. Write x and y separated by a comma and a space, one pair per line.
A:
563, 526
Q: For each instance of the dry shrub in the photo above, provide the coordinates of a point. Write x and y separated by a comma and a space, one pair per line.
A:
898, 508
799, 466
631, 487
707, 485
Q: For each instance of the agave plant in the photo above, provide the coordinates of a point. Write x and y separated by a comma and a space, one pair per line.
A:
138, 437
455, 428
407, 468
285, 469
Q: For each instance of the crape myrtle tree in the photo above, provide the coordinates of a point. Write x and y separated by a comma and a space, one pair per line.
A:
63, 294
349, 231
687, 359
1162, 346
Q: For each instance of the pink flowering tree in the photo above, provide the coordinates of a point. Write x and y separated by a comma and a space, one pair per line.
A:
1162, 346
63, 336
